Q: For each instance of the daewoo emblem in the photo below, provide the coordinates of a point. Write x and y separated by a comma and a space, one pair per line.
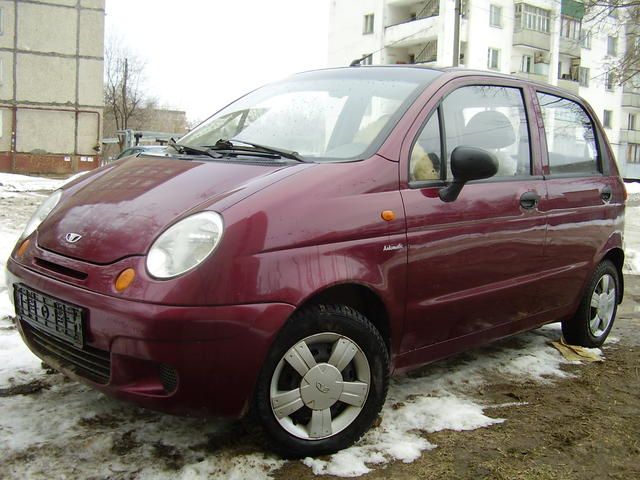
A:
72, 237
321, 387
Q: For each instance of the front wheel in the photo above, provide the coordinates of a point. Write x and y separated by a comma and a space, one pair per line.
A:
593, 321
323, 383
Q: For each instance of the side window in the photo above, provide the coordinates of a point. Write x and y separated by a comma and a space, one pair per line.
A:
425, 155
493, 118
570, 136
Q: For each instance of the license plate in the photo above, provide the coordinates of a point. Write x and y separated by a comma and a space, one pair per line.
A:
49, 314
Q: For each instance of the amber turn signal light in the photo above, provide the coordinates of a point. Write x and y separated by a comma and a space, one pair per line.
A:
388, 215
125, 279
23, 247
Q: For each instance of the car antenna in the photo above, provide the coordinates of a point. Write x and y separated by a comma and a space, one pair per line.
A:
356, 62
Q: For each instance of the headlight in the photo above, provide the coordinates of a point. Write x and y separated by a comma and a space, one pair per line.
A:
41, 213
185, 245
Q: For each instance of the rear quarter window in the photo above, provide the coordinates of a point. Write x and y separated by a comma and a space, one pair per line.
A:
570, 135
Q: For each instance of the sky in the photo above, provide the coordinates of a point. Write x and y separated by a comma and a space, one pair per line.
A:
201, 54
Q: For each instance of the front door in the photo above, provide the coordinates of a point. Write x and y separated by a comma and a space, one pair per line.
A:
473, 262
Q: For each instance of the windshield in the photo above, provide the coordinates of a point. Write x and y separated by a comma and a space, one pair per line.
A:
325, 115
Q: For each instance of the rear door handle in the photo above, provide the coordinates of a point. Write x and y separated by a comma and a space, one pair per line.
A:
605, 194
529, 200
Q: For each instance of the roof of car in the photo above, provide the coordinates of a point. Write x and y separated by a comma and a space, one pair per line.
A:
463, 72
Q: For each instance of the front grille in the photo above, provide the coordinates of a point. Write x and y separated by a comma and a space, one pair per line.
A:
168, 378
87, 362
61, 269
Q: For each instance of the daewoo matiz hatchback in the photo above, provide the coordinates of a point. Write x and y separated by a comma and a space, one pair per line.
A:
320, 233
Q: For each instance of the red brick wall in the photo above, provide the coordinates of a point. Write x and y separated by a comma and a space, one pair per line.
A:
47, 164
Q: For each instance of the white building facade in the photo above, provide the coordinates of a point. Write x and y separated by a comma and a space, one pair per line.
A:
544, 40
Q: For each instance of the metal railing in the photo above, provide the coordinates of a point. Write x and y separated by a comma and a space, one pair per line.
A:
431, 9
428, 54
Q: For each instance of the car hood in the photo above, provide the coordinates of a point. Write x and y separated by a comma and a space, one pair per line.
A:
120, 212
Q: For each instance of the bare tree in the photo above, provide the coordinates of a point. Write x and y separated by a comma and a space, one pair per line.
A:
624, 17
124, 96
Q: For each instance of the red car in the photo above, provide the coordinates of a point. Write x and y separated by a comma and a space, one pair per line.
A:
320, 234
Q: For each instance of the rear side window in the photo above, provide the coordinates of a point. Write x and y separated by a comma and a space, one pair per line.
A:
570, 136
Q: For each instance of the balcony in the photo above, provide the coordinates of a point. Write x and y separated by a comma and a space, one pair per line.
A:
630, 98
569, 85
413, 32
400, 3
629, 136
532, 38
570, 47
532, 76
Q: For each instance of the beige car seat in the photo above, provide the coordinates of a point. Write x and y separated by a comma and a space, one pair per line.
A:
492, 131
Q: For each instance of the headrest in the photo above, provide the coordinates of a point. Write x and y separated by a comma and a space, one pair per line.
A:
489, 129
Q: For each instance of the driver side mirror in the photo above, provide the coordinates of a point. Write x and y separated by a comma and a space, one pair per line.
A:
468, 163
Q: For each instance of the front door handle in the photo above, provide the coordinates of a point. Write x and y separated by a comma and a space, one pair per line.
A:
605, 194
529, 200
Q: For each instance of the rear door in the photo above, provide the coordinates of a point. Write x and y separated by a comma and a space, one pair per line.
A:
580, 214
473, 263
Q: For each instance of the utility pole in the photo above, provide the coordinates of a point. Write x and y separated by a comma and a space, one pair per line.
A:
456, 33
124, 94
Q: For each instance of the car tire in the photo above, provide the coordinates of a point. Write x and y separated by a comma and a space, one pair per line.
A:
594, 318
323, 383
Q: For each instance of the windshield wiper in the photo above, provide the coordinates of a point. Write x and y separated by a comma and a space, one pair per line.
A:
225, 144
193, 150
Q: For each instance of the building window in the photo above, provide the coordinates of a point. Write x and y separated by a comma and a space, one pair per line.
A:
1, 20
527, 64
585, 39
609, 81
633, 153
632, 122
612, 46
570, 28
606, 118
366, 59
495, 16
583, 76
367, 26
493, 59
532, 18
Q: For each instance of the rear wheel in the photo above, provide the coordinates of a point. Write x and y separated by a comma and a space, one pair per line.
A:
593, 321
324, 382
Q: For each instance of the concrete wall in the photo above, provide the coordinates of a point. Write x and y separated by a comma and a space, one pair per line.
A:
51, 87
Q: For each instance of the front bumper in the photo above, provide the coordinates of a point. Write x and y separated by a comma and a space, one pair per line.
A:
215, 353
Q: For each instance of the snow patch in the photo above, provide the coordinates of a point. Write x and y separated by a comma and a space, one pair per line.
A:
11, 182
17, 364
633, 188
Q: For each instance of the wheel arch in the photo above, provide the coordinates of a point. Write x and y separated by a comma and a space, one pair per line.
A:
361, 298
616, 256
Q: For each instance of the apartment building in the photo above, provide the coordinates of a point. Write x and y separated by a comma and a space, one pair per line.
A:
51, 85
544, 40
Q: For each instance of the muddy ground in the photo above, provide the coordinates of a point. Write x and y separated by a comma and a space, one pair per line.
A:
585, 427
